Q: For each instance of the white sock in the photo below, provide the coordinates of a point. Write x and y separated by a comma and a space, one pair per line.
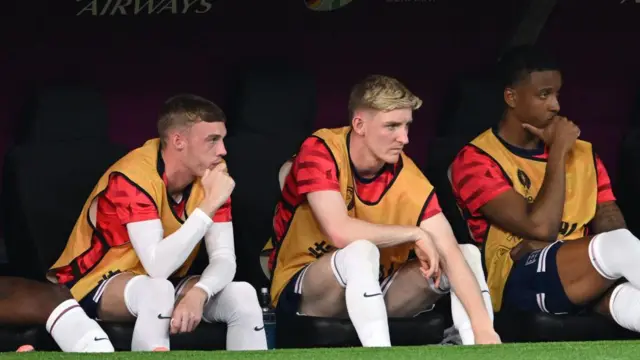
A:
615, 254
151, 301
356, 267
237, 305
460, 317
474, 259
461, 321
74, 331
625, 307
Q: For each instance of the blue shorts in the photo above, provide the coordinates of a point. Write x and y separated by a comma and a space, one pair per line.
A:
91, 301
534, 285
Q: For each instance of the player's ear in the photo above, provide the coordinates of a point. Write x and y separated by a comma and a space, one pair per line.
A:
177, 140
510, 97
357, 122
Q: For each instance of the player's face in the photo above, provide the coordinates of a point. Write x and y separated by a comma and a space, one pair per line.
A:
536, 99
205, 146
387, 133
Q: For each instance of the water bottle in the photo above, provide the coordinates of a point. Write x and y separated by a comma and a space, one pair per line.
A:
269, 318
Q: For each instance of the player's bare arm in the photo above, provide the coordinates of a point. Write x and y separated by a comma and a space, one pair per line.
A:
331, 213
608, 217
461, 277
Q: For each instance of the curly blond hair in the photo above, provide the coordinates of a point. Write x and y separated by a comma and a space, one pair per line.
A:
382, 93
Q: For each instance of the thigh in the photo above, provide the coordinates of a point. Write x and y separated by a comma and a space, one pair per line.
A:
320, 292
25, 302
407, 293
111, 305
580, 280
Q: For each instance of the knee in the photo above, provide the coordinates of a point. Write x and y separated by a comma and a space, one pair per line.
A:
472, 256
161, 287
361, 249
622, 240
470, 252
244, 298
359, 257
158, 291
622, 235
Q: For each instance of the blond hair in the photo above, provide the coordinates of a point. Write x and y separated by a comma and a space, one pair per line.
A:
184, 110
382, 93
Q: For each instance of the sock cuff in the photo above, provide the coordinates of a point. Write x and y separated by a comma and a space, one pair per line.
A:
61, 310
598, 265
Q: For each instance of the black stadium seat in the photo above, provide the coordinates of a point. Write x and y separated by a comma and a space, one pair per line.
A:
271, 110
628, 192
62, 151
478, 107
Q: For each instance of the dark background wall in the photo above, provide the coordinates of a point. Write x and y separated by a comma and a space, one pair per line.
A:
137, 61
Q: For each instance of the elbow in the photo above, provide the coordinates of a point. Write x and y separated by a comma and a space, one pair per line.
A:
543, 232
233, 267
156, 272
337, 236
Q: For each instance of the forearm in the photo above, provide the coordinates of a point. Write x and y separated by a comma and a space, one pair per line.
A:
221, 270
546, 210
466, 288
218, 274
161, 257
381, 235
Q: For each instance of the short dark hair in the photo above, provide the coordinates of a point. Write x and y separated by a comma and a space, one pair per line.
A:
186, 110
520, 61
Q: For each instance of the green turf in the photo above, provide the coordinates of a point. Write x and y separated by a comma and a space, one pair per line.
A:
544, 351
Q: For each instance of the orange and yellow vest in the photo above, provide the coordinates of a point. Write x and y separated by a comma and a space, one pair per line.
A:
401, 204
526, 176
140, 167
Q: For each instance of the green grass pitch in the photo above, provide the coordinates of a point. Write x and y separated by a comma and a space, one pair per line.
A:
608, 350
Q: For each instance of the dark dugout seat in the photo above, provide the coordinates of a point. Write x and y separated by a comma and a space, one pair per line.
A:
627, 192
61, 152
271, 110
477, 107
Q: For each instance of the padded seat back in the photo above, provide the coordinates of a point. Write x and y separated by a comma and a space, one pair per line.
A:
477, 106
47, 179
628, 192
272, 111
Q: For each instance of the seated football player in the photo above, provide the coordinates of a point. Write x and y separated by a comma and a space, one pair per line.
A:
29, 302
353, 208
539, 200
142, 226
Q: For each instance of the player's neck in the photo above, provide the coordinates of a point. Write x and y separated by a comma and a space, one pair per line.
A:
178, 176
364, 162
510, 130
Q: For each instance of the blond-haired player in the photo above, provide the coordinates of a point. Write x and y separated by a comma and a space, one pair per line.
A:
353, 208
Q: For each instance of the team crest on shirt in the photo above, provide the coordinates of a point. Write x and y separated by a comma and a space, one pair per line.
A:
525, 181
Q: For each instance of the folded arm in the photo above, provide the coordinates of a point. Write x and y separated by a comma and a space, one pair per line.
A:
485, 190
162, 256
